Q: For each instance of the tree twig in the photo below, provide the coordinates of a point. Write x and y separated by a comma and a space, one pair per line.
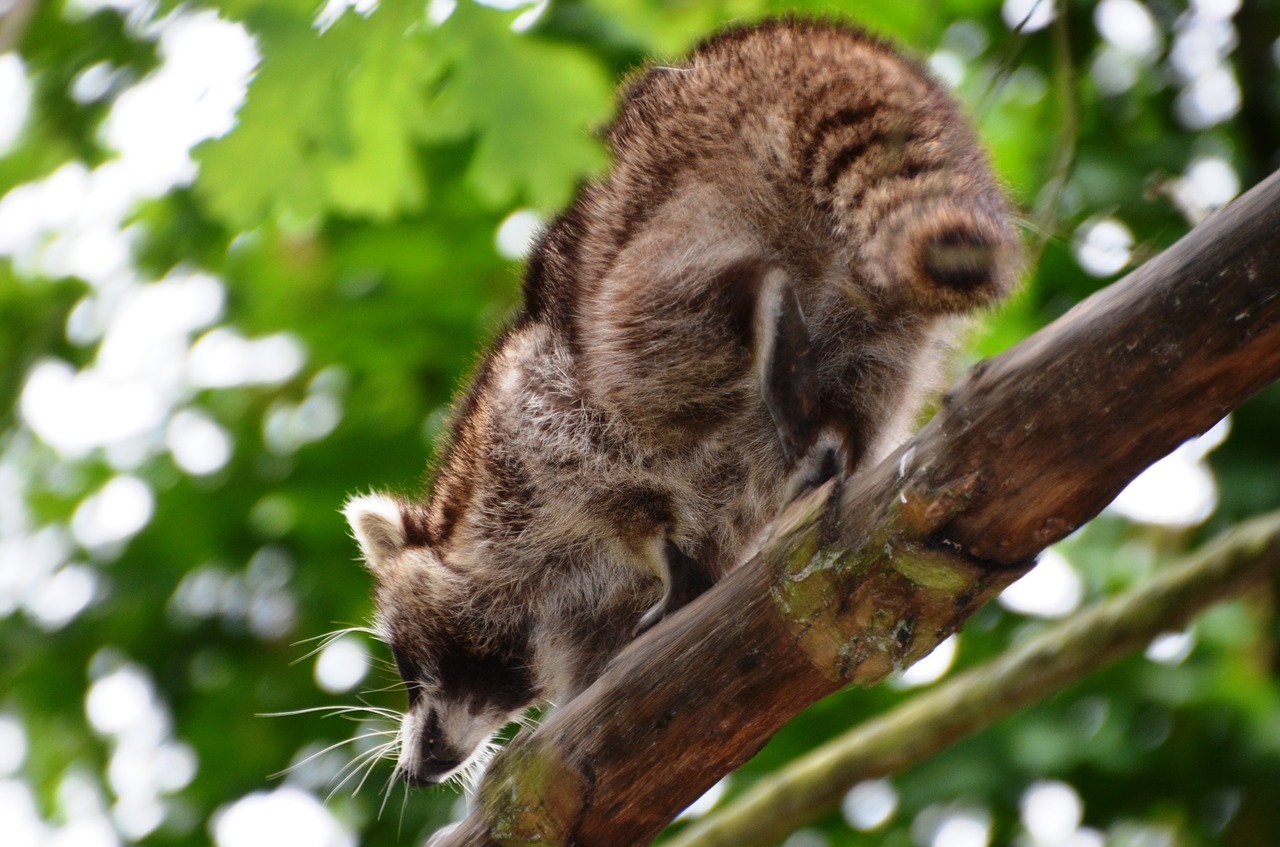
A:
812, 785
1045, 216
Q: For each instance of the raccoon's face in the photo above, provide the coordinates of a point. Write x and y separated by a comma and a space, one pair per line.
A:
465, 678
458, 699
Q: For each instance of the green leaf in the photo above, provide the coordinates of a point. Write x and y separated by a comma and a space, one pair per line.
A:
527, 103
328, 125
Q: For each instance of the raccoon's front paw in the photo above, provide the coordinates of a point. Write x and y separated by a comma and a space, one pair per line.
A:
686, 578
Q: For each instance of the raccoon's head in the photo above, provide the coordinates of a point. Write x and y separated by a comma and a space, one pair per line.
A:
466, 677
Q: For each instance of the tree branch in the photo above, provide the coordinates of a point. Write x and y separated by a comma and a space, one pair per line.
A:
969, 702
865, 577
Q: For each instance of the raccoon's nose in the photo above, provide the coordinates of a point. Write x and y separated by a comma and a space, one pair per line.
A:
440, 765
431, 770
959, 259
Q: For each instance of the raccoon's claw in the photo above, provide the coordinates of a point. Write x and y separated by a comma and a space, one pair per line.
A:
686, 579
650, 618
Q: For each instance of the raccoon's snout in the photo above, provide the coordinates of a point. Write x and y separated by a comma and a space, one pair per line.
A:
431, 770
434, 763
429, 757
959, 259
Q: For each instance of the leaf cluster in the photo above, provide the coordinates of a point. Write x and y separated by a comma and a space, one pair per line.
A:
354, 205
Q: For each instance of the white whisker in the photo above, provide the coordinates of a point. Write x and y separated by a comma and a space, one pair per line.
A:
332, 711
346, 630
529, 720
334, 746
396, 774
369, 757
391, 746
328, 638
348, 771
404, 804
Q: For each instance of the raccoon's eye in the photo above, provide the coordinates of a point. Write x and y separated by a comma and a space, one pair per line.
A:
408, 670
410, 673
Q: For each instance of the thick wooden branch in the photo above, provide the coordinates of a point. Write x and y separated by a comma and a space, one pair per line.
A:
867, 577
967, 703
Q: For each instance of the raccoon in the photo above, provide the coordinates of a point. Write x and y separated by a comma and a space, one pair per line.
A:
756, 297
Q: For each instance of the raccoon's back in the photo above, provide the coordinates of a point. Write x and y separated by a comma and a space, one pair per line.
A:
796, 139
807, 152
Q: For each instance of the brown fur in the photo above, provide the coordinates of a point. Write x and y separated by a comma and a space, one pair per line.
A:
625, 408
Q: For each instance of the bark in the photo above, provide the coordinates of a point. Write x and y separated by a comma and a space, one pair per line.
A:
867, 576
814, 784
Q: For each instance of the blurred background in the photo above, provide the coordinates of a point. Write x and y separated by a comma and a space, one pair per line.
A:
250, 248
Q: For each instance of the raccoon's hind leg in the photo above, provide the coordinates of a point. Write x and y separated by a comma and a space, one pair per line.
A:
787, 372
787, 369
683, 580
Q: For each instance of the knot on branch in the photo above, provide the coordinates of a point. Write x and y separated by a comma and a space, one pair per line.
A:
861, 611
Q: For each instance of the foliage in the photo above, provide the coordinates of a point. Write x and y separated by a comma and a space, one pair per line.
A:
198, 362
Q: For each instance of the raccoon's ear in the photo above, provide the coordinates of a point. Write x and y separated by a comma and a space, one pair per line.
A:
788, 371
378, 524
